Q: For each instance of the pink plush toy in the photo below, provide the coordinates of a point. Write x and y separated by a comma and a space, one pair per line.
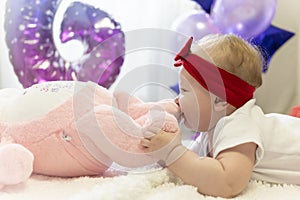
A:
72, 129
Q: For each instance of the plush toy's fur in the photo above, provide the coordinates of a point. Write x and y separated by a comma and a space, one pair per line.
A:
83, 135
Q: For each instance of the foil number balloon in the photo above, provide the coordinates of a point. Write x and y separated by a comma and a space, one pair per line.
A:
34, 56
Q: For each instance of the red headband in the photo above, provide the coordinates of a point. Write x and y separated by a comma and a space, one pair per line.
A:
214, 79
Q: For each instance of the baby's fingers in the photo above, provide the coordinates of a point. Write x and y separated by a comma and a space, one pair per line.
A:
154, 129
145, 143
148, 134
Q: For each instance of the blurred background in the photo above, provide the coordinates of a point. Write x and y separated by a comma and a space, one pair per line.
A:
146, 69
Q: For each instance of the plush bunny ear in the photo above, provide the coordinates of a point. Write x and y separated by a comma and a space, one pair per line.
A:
108, 132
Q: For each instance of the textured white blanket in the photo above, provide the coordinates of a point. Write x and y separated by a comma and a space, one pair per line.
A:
155, 184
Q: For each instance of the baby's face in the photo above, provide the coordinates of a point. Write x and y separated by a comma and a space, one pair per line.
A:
194, 102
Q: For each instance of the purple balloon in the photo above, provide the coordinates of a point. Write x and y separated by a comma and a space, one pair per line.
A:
35, 57
247, 18
196, 23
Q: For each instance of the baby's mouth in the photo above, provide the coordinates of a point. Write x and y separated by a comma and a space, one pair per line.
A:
181, 117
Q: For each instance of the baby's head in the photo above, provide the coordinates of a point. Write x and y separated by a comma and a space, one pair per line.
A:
234, 55
213, 89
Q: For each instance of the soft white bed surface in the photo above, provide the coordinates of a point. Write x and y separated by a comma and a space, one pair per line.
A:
154, 184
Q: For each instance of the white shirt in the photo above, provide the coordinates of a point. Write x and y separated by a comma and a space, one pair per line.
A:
276, 135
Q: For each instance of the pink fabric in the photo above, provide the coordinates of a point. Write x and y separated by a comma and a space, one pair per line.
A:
57, 139
47, 137
55, 144
116, 130
16, 164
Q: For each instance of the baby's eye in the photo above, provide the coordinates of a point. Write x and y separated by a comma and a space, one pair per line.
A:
183, 90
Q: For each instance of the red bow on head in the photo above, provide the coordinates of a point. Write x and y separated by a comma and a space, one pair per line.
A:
214, 79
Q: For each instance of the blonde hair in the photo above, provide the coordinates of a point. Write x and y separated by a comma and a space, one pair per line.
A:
235, 55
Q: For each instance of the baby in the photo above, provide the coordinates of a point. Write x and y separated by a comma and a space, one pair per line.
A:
237, 141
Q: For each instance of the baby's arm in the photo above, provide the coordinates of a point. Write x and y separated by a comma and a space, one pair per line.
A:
225, 176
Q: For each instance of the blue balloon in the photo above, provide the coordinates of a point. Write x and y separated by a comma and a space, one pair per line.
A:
270, 41
205, 4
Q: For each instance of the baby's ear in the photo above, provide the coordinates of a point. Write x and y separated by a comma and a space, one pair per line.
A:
220, 104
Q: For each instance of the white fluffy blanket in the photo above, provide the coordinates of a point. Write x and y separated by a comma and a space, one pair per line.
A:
153, 184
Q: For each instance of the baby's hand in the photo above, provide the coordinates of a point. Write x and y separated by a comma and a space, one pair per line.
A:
155, 139
163, 145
